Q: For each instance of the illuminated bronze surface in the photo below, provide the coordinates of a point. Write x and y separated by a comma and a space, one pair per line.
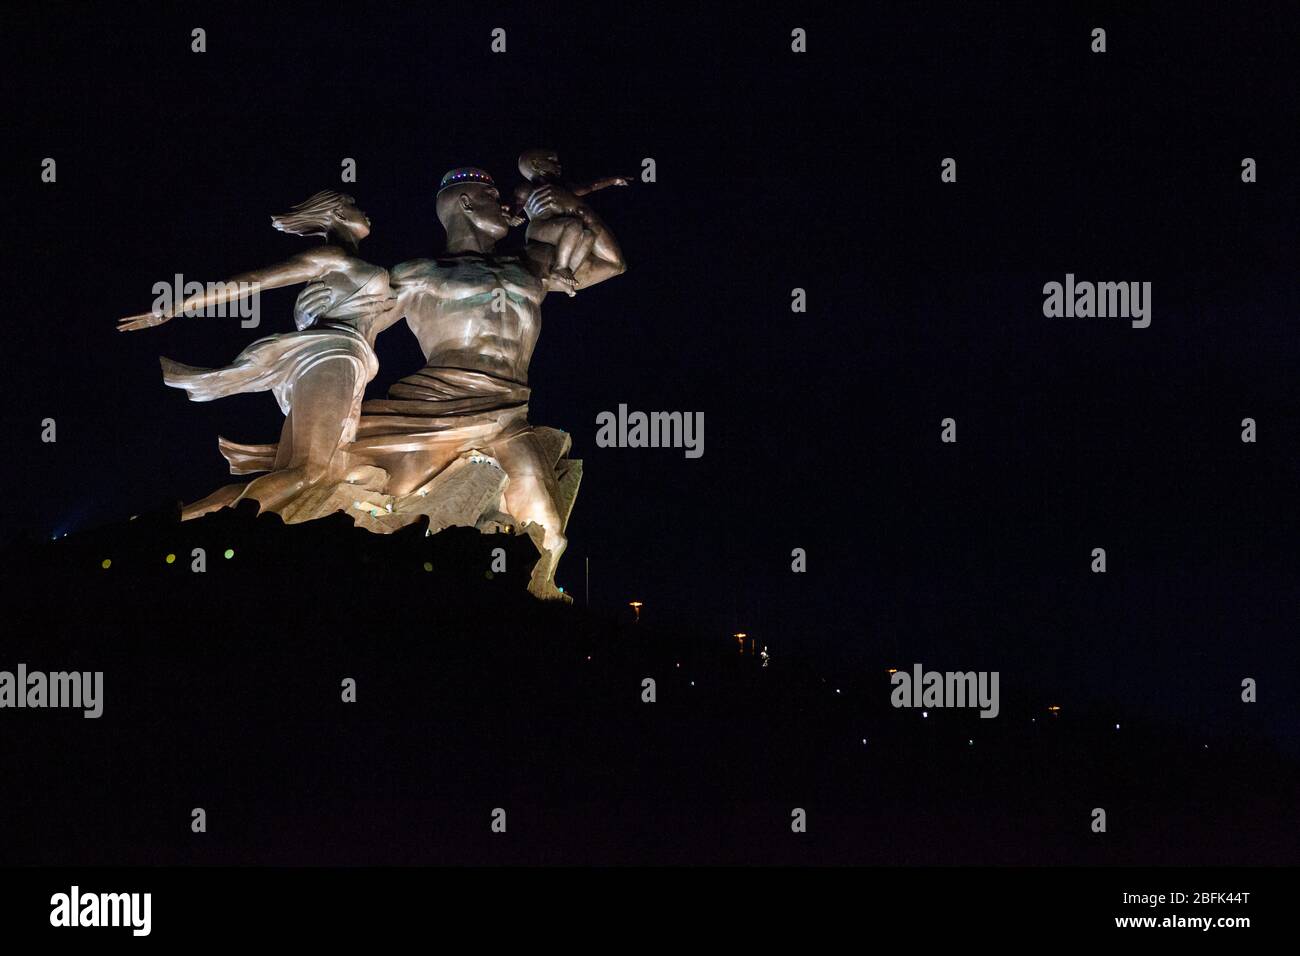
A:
476, 314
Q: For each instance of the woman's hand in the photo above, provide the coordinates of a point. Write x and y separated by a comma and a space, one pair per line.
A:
147, 320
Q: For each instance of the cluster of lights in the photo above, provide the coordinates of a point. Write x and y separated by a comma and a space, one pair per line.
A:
170, 558
466, 176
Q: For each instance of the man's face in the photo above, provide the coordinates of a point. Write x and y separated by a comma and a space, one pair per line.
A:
481, 204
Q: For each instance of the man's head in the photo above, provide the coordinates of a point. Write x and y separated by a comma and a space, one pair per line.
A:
468, 200
535, 164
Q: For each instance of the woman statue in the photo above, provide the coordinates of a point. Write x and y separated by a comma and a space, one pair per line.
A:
319, 373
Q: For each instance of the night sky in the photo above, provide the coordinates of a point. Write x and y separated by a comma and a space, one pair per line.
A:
775, 171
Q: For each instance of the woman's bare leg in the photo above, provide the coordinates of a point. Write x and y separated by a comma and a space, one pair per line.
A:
322, 402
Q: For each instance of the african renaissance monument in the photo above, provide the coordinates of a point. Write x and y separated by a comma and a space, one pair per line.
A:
452, 442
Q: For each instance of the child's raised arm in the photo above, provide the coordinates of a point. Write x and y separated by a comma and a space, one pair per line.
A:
599, 184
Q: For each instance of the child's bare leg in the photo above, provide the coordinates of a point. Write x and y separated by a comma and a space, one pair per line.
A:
566, 245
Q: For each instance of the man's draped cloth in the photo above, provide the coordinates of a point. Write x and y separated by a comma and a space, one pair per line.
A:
442, 407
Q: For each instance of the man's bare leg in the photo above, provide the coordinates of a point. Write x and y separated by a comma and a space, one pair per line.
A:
530, 496
408, 470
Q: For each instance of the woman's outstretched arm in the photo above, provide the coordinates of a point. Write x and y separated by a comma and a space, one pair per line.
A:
299, 268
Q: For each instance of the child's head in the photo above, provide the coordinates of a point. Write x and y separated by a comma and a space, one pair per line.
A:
537, 164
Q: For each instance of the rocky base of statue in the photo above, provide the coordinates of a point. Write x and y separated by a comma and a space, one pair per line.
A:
468, 493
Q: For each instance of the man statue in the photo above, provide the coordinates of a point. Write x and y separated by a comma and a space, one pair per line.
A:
477, 315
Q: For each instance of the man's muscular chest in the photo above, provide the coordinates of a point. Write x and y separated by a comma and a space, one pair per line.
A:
483, 279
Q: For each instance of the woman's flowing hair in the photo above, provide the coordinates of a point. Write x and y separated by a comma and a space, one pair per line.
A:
314, 216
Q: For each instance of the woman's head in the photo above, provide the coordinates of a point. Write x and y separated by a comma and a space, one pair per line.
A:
325, 213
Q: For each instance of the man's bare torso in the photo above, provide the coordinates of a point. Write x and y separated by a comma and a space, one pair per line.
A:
461, 320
